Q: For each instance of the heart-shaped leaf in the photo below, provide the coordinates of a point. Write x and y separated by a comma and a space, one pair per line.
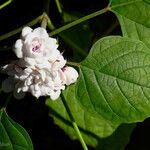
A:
114, 80
12, 135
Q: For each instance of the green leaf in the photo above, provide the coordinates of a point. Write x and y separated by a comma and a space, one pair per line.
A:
89, 124
134, 30
133, 16
92, 127
12, 135
135, 10
114, 80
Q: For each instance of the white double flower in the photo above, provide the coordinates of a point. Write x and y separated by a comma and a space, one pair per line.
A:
41, 69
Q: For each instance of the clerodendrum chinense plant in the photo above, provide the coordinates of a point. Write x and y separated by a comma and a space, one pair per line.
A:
113, 87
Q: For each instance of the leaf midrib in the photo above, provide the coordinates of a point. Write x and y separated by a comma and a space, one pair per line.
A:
116, 77
124, 4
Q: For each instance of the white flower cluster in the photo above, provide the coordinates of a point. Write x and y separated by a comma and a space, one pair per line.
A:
40, 68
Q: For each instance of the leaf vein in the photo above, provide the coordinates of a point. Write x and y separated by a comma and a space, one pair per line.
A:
100, 89
126, 96
117, 77
145, 95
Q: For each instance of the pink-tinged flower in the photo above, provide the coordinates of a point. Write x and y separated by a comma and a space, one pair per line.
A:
36, 44
41, 68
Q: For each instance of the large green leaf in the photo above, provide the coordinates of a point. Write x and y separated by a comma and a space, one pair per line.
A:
12, 135
92, 127
135, 10
114, 80
89, 124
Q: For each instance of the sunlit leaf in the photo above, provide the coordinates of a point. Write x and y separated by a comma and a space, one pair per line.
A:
114, 80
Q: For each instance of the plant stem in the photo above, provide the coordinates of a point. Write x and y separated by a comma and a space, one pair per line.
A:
65, 27
67, 40
73, 64
46, 6
73, 45
9, 34
124, 4
58, 6
46, 12
57, 31
44, 21
50, 24
5, 4
7, 101
74, 123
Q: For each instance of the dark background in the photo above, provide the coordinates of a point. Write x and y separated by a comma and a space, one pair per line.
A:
32, 114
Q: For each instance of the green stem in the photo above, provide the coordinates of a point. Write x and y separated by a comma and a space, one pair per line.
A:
78, 21
7, 101
74, 123
9, 34
57, 31
73, 64
110, 1
124, 4
44, 21
73, 45
50, 24
5, 4
46, 6
46, 12
67, 40
58, 6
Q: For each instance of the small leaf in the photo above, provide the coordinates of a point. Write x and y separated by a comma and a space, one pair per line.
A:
134, 30
12, 135
135, 10
114, 80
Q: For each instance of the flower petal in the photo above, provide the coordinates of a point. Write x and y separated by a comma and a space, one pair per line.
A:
26, 31
71, 75
18, 48
55, 94
40, 32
